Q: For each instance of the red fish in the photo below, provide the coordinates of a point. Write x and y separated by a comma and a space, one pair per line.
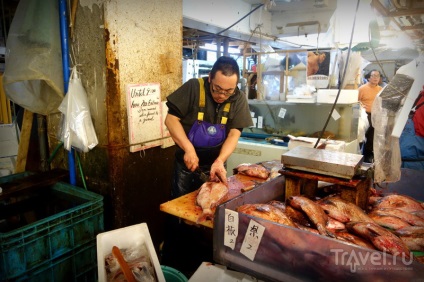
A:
380, 237
266, 211
388, 221
350, 238
210, 195
405, 216
413, 237
314, 212
254, 170
342, 210
401, 202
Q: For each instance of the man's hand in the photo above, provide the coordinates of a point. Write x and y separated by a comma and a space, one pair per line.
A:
218, 171
178, 135
191, 160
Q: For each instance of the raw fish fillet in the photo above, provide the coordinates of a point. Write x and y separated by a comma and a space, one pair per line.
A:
210, 195
254, 170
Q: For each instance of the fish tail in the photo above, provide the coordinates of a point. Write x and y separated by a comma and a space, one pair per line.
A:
206, 214
324, 231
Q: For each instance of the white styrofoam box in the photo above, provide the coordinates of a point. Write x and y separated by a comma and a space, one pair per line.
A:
9, 140
215, 272
7, 165
124, 238
333, 145
328, 96
301, 99
353, 147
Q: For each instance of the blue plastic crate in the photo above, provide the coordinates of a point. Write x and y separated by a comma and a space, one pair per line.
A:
12, 177
37, 245
78, 265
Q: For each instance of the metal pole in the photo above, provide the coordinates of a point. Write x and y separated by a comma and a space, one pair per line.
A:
66, 72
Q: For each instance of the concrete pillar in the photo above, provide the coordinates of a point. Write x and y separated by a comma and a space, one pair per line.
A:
117, 43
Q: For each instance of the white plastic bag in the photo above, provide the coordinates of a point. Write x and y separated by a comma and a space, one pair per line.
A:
363, 124
78, 130
33, 76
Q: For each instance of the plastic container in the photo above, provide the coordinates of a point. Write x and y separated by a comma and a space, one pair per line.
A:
76, 218
123, 238
328, 96
79, 265
173, 275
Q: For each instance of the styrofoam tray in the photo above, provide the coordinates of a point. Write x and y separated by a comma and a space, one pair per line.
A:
215, 272
124, 238
328, 96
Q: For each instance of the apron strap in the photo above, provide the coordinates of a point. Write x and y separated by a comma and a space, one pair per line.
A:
202, 104
225, 112
202, 99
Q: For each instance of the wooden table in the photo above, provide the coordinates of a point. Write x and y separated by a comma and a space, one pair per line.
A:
355, 190
185, 206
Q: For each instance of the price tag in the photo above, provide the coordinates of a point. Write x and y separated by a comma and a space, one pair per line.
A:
231, 228
282, 113
335, 115
260, 121
252, 239
254, 121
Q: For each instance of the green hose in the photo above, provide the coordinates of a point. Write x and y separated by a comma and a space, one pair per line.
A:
78, 160
80, 169
54, 152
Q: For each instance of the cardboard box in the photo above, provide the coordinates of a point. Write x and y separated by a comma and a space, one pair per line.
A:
124, 238
328, 96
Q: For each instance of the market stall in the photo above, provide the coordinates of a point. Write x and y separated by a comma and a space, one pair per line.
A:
258, 244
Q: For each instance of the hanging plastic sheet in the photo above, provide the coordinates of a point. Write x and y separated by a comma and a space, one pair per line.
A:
33, 76
77, 129
386, 147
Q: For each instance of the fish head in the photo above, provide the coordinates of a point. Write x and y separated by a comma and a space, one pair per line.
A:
294, 202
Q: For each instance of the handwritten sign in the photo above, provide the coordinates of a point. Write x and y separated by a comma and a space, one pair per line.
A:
144, 116
252, 239
231, 228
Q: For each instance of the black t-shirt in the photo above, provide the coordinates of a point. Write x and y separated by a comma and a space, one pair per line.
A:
184, 104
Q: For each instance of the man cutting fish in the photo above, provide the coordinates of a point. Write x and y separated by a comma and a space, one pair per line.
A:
205, 119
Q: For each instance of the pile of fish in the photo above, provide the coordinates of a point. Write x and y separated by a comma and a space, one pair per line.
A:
211, 194
394, 223
133, 262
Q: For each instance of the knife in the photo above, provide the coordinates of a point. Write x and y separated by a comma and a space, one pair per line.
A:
203, 176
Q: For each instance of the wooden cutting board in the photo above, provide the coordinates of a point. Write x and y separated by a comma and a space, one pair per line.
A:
185, 206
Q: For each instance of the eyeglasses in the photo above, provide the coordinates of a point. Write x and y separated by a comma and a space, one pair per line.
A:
375, 75
227, 93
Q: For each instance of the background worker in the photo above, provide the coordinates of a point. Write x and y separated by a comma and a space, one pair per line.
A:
366, 96
411, 141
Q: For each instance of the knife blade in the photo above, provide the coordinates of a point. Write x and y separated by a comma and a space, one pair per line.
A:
203, 176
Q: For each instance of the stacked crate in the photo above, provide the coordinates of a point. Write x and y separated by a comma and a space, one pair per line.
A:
60, 247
